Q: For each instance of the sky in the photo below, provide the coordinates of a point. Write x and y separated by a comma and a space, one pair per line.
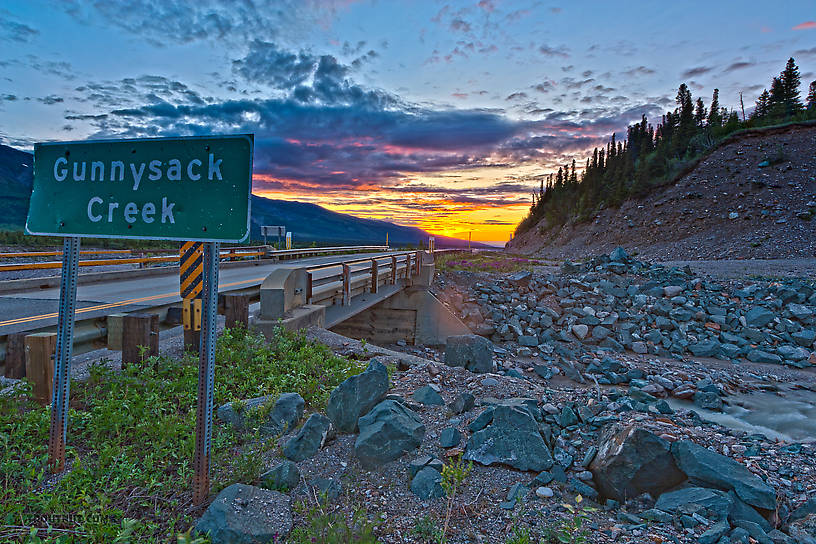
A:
435, 114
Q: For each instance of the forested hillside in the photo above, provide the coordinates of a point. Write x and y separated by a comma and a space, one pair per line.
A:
653, 156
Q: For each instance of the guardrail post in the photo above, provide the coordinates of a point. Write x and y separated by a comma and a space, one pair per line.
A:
236, 310
418, 262
15, 355
375, 275
393, 270
39, 361
308, 287
346, 285
139, 331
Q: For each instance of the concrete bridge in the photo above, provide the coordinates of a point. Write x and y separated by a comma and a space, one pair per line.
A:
382, 298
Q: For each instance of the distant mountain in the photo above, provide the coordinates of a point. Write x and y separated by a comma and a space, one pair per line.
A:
307, 222
16, 176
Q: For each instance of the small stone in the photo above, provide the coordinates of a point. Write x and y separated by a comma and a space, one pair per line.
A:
580, 331
427, 484
450, 437
462, 403
544, 492
282, 477
428, 395
309, 439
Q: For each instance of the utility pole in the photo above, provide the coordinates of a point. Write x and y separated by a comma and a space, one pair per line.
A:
470, 233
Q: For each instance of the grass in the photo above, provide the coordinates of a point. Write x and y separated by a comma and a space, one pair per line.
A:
131, 439
484, 261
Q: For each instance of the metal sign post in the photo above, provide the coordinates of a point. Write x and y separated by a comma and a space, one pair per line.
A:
206, 376
62, 362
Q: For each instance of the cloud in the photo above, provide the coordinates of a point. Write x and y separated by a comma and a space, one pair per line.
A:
696, 71
266, 63
549, 51
51, 99
807, 25
638, 71
516, 96
16, 32
738, 66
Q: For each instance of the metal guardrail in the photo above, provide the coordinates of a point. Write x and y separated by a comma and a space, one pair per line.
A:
226, 253
329, 282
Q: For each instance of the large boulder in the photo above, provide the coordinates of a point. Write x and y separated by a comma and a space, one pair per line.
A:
357, 395
387, 432
244, 514
711, 503
473, 352
309, 439
634, 461
711, 469
284, 415
758, 317
513, 438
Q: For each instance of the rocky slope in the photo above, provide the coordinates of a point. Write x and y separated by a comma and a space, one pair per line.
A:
753, 198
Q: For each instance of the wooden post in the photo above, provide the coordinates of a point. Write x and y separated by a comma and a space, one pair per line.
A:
393, 270
236, 310
15, 355
39, 362
375, 275
138, 330
346, 285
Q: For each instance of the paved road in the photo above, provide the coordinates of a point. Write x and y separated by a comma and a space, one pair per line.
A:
32, 310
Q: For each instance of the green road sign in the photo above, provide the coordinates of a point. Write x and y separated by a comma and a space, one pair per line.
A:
195, 188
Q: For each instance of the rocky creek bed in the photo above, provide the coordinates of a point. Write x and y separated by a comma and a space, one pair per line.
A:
613, 380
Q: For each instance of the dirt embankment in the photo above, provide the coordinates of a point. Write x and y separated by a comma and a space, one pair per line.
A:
729, 207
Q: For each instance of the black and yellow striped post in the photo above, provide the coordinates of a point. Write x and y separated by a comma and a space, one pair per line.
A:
191, 283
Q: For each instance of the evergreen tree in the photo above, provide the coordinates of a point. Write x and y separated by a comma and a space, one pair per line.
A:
762, 105
714, 118
811, 97
776, 100
700, 113
790, 81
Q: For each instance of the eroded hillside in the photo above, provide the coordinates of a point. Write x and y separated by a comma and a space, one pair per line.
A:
753, 198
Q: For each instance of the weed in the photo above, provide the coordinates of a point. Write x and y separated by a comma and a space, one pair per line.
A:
334, 527
427, 529
571, 530
453, 475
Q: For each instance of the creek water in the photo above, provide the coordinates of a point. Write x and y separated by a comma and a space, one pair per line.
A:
788, 415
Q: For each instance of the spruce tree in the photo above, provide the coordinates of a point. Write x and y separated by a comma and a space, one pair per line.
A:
700, 113
811, 97
790, 81
714, 118
762, 105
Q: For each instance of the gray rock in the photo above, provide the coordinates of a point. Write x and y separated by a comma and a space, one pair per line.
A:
580, 331
309, 439
330, 488
527, 340
714, 533
450, 437
708, 400
462, 403
800, 311
640, 347
673, 290
805, 337
690, 500
354, 397
515, 494
424, 461
755, 531
387, 432
428, 395
706, 348
703, 466
244, 514
758, 317
759, 356
283, 477
513, 439
619, 255
427, 484
473, 352
742, 512
633, 461
284, 415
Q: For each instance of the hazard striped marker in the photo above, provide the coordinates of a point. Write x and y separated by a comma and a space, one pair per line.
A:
191, 282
